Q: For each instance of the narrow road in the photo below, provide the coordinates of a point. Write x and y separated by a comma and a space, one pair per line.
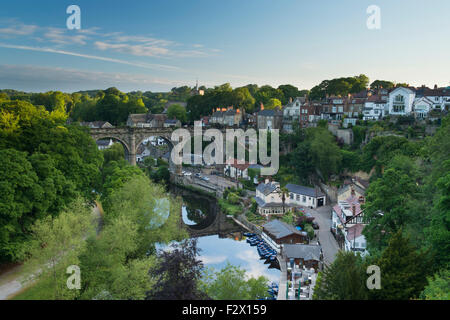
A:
329, 245
11, 281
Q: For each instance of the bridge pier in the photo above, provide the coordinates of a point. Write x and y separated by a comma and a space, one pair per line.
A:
132, 155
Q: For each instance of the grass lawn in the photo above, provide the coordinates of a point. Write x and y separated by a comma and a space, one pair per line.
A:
42, 290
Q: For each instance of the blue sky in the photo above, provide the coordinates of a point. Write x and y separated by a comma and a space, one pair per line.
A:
156, 45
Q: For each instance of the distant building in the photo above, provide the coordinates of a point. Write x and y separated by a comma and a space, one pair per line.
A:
401, 101
269, 119
228, 117
97, 124
376, 107
347, 223
235, 170
281, 233
269, 200
305, 196
303, 255
146, 120
291, 113
172, 123
104, 144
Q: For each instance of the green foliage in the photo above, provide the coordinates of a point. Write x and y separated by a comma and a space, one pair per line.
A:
55, 245
232, 283
109, 105
350, 160
114, 153
339, 87
403, 270
344, 279
273, 103
45, 165
378, 84
392, 194
438, 287
325, 153
176, 111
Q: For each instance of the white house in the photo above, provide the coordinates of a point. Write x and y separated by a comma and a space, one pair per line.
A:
439, 97
348, 220
269, 198
104, 144
422, 106
375, 107
401, 101
291, 113
355, 240
236, 170
304, 196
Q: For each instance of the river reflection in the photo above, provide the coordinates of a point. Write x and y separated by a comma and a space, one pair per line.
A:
215, 252
199, 212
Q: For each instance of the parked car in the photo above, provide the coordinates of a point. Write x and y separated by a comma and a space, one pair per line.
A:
188, 174
198, 175
205, 178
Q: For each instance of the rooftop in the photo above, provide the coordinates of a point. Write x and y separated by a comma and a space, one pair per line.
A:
310, 192
279, 229
302, 251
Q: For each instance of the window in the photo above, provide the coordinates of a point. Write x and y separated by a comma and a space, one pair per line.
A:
304, 198
399, 98
291, 196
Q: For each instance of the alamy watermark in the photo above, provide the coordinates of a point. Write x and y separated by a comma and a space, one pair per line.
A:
74, 20
74, 280
374, 280
255, 144
374, 20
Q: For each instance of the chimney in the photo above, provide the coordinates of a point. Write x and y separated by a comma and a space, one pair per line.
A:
435, 87
238, 111
353, 192
361, 200
262, 106
353, 209
290, 100
266, 181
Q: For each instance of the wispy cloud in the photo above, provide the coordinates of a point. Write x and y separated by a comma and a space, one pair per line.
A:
60, 36
136, 50
213, 259
15, 28
136, 45
94, 57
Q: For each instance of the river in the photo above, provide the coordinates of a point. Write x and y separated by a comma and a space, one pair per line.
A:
227, 245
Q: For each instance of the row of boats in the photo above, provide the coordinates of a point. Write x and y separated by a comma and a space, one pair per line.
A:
264, 250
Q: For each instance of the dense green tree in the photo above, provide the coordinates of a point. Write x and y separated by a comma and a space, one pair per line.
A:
176, 111
243, 99
438, 287
55, 245
273, 103
325, 153
403, 270
232, 283
378, 84
344, 279
289, 91
178, 273
114, 153
388, 205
